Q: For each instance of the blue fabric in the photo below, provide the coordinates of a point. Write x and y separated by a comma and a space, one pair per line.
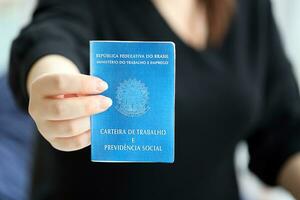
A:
16, 139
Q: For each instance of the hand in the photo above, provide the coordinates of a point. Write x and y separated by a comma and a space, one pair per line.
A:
61, 105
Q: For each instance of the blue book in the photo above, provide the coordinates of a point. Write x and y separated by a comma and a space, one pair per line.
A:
139, 126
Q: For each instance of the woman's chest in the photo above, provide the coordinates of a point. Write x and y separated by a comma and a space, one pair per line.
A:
215, 100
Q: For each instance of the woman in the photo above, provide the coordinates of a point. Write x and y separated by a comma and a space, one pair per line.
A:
233, 82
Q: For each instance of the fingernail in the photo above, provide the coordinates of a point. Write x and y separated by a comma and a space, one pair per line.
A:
106, 102
102, 86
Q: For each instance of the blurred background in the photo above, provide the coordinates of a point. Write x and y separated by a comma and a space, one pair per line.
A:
15, 163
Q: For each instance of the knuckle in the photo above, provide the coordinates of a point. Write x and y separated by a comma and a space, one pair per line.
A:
84, 84
77, 143
36, 84
58, 109
58, 128
58, 82
71, 127
90, 107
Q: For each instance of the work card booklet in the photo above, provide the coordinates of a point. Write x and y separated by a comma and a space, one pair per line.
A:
139, 126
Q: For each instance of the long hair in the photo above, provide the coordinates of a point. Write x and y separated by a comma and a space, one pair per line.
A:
219, 15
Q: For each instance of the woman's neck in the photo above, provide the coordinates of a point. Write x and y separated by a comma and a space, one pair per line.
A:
187, 18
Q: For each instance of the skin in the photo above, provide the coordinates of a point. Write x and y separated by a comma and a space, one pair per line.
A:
289, 176
187, 18
61, 110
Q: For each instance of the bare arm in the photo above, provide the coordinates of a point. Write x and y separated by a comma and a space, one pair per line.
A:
289, 176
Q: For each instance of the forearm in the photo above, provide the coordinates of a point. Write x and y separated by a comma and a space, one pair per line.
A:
289, 176
50, 64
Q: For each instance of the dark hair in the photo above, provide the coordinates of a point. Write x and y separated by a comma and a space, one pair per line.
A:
219, 14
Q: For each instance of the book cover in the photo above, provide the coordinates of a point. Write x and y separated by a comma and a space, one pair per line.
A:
139, 126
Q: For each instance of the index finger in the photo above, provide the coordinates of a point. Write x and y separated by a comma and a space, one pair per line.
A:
58, 84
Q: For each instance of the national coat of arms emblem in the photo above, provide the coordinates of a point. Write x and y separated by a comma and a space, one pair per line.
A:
132, 98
